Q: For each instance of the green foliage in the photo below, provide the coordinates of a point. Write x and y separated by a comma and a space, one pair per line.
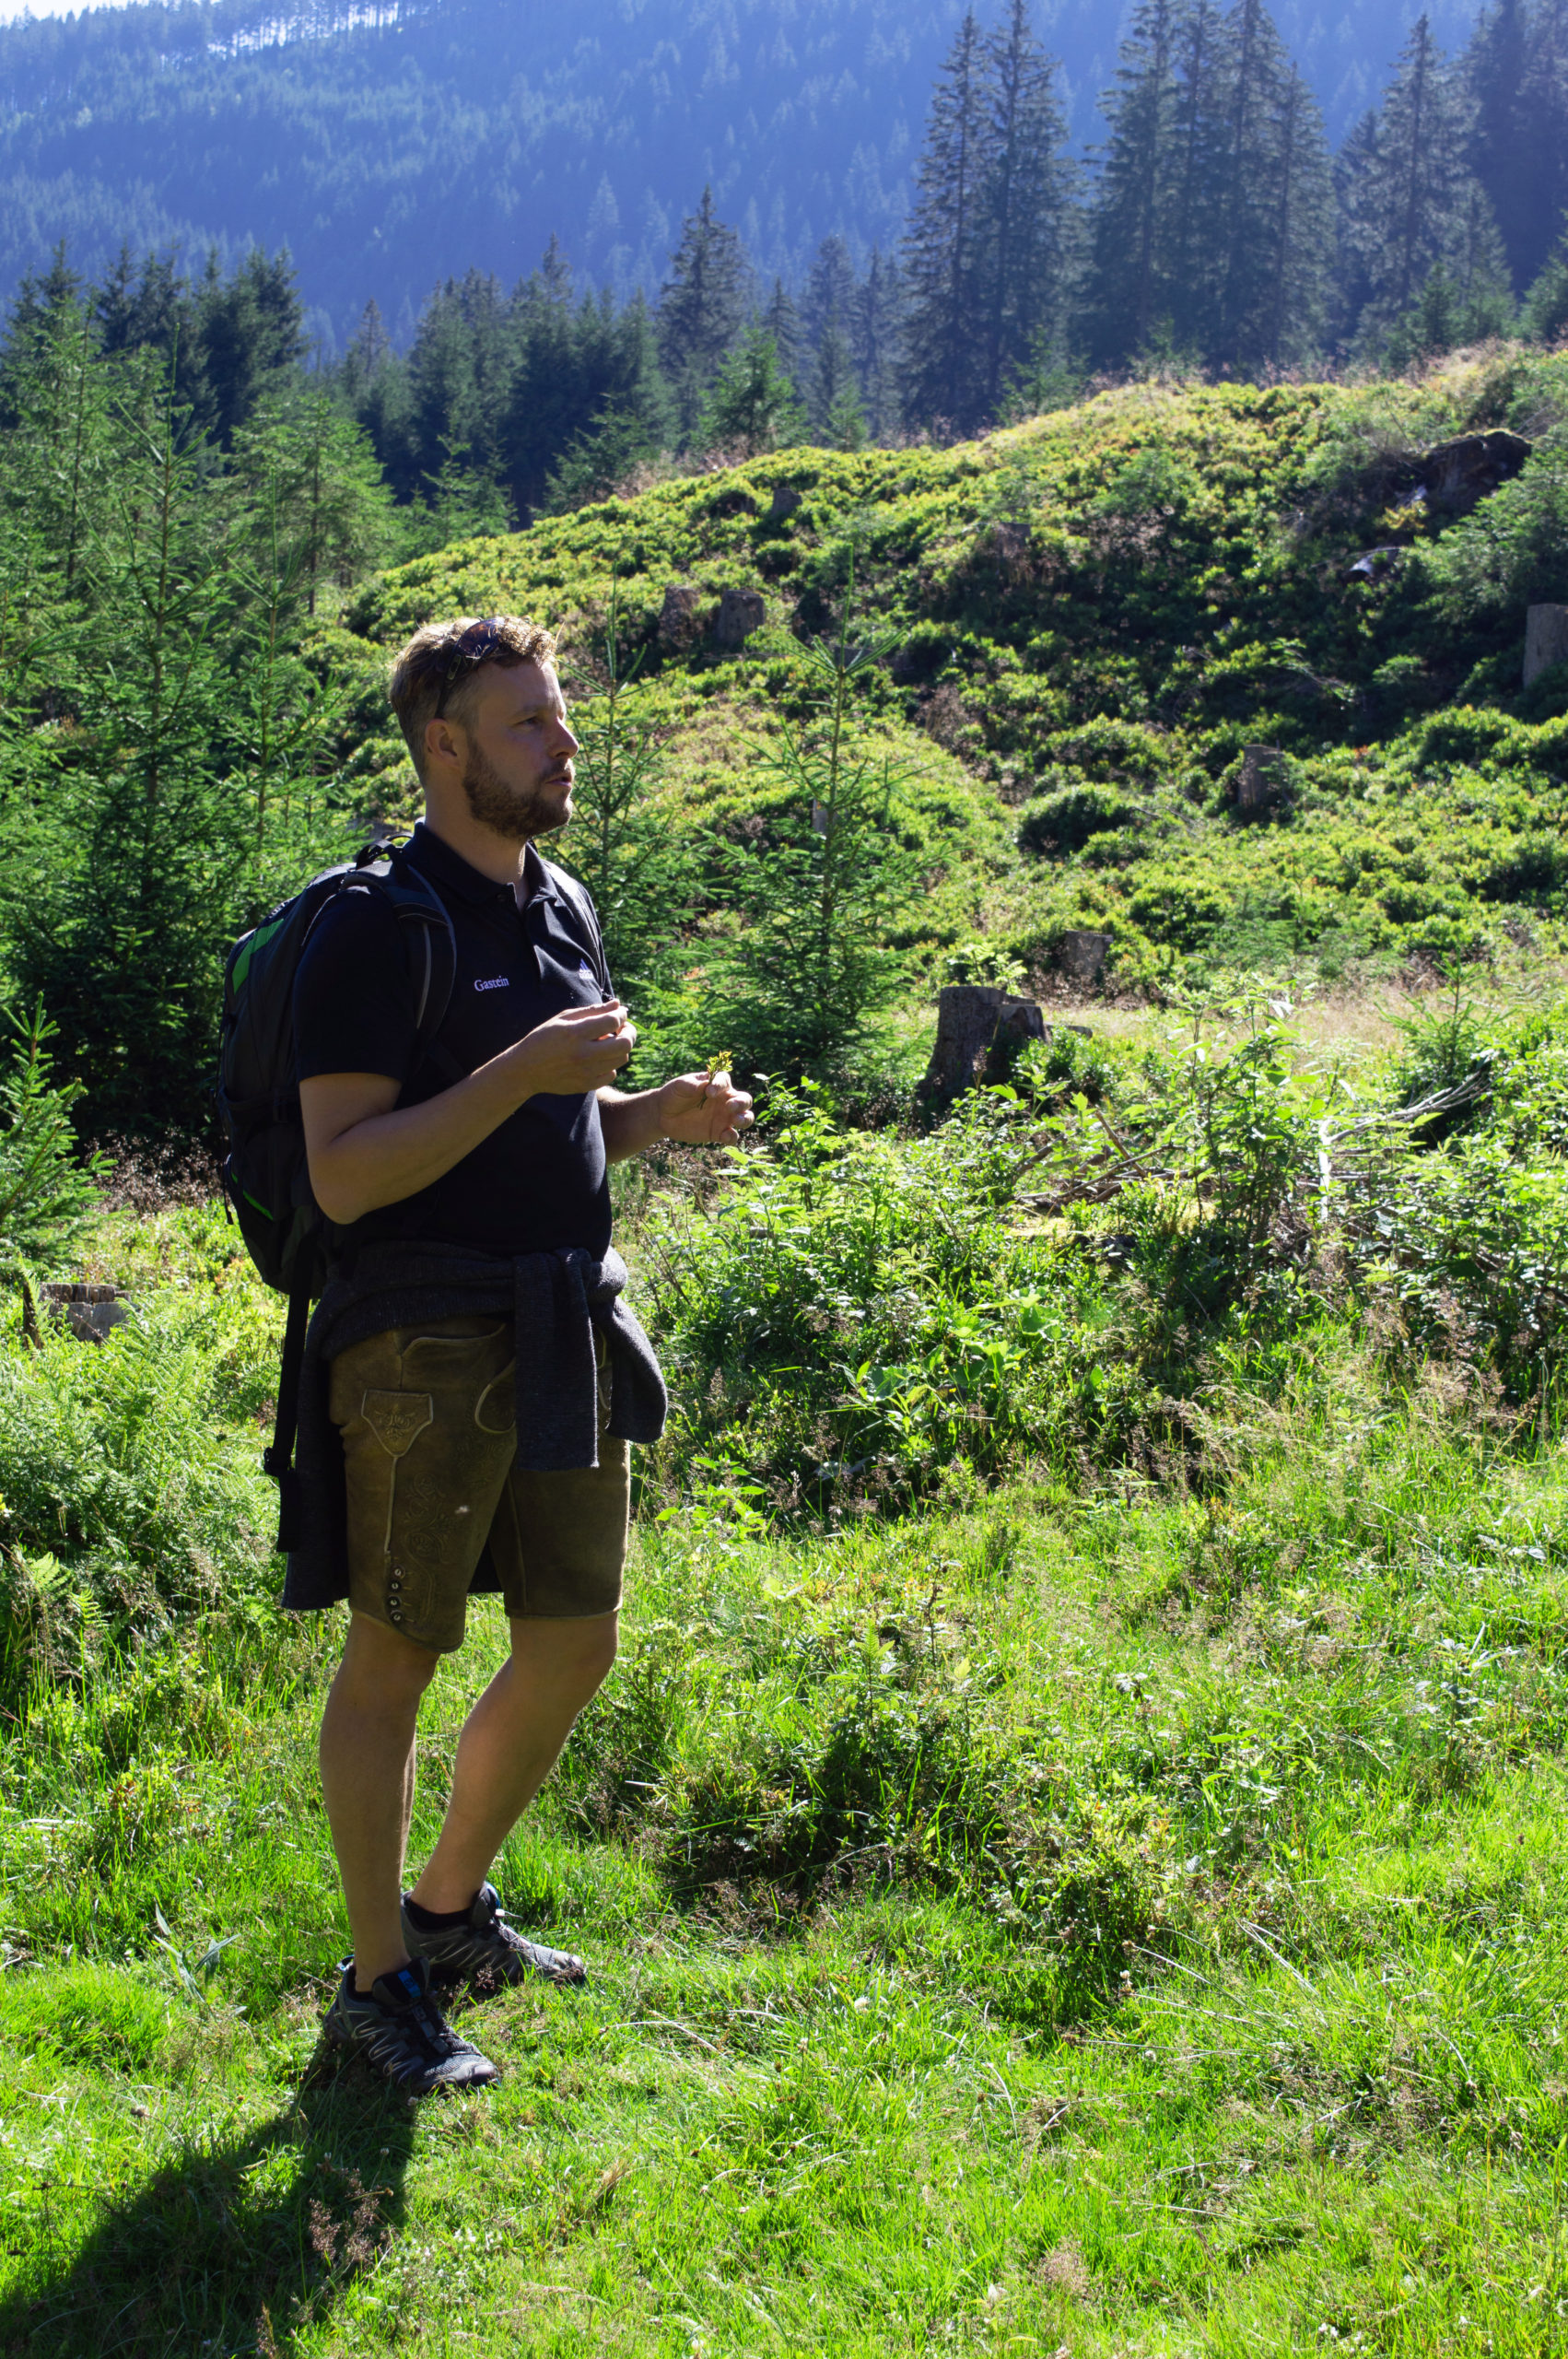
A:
1514, 548
47, 1194
130, 1469
802, 987
752, 405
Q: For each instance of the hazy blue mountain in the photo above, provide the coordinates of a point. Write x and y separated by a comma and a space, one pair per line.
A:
390, 143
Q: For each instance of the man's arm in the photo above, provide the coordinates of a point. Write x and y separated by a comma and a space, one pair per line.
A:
364, 1150
692, 1108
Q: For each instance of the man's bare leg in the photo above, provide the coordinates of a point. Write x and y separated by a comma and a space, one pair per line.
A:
510, 1742
367, 1757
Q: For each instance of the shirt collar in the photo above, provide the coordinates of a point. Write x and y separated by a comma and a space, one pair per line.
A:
448, 868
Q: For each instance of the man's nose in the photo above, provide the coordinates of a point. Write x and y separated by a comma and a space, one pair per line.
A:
566, 744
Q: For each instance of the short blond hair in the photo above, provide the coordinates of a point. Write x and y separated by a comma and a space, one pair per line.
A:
434, 674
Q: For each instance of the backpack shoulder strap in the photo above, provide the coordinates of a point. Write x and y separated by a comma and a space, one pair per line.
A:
577, 903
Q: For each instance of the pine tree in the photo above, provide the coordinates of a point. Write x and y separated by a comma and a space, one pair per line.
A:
1544, 116
1275, 210
1500, 156
943, 376
701, 307
1405, 185
1545, 311
782, 321
1291, 319
1128, 291
875, 342
752, 405
1024, 202
1194, 236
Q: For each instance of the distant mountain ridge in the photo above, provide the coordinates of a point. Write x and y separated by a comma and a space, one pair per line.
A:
390, 144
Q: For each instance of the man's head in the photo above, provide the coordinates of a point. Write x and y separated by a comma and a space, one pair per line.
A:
480, 707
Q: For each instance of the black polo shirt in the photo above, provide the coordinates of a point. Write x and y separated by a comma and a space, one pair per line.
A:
538, 1182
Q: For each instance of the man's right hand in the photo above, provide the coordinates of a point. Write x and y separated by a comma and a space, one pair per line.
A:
364, 1150
581, 1049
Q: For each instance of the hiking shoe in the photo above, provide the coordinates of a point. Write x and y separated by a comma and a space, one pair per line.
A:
399, 2030
486, 1949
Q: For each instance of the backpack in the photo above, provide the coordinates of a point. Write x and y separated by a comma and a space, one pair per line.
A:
266, 1176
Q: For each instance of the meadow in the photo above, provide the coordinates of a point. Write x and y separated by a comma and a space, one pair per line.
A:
1069, 1858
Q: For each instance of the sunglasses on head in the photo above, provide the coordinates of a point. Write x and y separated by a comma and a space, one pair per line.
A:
462, 657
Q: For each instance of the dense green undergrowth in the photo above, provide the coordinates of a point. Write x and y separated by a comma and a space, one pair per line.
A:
1091, 616
1069, 1855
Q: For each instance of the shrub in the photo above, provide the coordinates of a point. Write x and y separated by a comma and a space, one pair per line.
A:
1065, 821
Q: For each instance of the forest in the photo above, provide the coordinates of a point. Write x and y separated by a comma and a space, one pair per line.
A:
358, 135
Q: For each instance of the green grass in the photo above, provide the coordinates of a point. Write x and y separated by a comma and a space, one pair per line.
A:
1115, 1923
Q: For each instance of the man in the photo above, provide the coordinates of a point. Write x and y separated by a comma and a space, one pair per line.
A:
482, 1377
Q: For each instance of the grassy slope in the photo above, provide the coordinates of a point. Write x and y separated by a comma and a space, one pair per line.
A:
1280, 1772
1116, 597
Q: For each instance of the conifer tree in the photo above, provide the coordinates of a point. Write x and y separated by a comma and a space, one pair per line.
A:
830, 384
701, 307
1543, 113
1193, 237
1405, 182
1500, 155
1290, 320
1275, 209
1544, 313
1025, 199
1128, 291
944, 247
875, 333
782, 321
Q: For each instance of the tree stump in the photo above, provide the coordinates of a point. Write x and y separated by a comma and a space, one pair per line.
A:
1082, 955
740, 612
1018, 1022
1545, 639
965, 1023
678, 623
89, 1311
1262, 780
784, 502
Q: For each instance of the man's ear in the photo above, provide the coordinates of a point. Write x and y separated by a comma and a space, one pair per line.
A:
442, 746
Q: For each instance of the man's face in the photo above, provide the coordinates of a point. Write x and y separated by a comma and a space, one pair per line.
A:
517, 770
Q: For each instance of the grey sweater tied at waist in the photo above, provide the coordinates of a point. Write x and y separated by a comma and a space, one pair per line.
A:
556, 1301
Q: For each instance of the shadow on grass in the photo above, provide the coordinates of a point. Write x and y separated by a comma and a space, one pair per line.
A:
235, 2246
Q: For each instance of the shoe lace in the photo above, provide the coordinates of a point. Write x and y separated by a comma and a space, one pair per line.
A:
436, 2035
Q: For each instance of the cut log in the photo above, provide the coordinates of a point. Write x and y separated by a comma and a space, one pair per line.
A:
965, 1023
1018, 1021
89, 1311
1263, 778
678, 623
1545, 639
740, 612
1082, 955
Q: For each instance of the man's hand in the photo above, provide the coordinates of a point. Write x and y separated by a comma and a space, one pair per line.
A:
701, 1111
582, 1048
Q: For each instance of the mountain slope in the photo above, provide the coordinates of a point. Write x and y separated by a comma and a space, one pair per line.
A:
1098, 612
390, 142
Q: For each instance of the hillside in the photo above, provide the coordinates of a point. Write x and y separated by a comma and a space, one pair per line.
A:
391, 146
1093, 615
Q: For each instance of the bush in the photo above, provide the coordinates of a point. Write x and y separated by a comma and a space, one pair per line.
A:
1065, 821
130, 1471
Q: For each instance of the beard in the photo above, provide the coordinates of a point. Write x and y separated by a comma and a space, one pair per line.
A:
516, 816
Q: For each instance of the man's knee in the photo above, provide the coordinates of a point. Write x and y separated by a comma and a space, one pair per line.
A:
575, 1654
381, 1666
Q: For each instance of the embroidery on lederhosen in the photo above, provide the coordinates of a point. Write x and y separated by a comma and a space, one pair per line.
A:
397, 1419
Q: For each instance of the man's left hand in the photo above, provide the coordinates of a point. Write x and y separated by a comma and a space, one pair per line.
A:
702, 1112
